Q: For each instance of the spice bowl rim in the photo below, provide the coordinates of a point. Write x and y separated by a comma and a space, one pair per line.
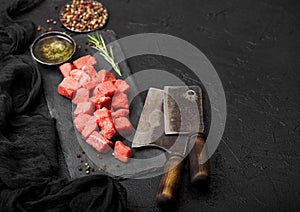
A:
52, 34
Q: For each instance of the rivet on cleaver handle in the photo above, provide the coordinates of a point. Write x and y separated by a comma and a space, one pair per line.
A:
184, 115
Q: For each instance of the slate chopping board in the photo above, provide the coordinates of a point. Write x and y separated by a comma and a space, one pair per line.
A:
76, 151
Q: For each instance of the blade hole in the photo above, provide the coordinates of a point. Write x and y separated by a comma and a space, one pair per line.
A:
190, 93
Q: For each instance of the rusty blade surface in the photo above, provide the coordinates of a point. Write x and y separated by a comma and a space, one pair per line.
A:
183, 110
150, 130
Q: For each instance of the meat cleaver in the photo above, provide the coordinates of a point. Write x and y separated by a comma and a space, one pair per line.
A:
168, 112
183, 114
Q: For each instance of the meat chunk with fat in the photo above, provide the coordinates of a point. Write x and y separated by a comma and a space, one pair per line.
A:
81, 95
80, 121
120, 113
90, 70
122, 86
123, 126
84, 108
104, 75
89, 128
105, 89
67, 87
105, 122
81, 77
65, 69
120, 100
99, 143
85, 60
100, 102
122, 152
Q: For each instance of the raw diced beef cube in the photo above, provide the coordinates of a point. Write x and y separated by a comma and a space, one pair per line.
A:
76, 74
90, 70
91, 84
85, 60
67, 87
105, 122
89, 128
104, 75
123, 126
120, 113
80, 76
82, 95
105, 89
80, 121
102, 114
97, 91
103, 101
122, 86
99, 143
120, 100
107, 128
84, 108
122, 152
66, 68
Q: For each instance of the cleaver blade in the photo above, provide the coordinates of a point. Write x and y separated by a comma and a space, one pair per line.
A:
183, 110
184, 116
150, 129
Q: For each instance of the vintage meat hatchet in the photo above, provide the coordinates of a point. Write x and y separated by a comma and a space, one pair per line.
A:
172, 120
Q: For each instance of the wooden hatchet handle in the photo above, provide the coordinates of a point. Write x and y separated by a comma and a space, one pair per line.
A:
170, 182
199, 173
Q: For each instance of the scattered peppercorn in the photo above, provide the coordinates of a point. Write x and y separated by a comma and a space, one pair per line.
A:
54, 22
78, 155
80, 169
50, 29
87, 168
39, 28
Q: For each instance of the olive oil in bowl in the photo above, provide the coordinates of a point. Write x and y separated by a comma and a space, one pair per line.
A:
53, 48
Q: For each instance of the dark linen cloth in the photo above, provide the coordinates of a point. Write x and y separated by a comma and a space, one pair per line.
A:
28, 139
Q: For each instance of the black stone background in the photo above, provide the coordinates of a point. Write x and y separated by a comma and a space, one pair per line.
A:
254, 47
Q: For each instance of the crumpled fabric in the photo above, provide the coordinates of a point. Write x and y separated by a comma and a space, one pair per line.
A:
29, 141
14, 35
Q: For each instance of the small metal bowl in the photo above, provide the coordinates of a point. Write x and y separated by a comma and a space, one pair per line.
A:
64, 41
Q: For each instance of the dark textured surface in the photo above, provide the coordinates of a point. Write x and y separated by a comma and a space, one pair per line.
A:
254, 47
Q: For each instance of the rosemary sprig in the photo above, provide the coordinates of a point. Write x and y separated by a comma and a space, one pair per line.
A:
99, 44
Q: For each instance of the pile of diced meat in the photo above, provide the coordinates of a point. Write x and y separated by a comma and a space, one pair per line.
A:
102, 110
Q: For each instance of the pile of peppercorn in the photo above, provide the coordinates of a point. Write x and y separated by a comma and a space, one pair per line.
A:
83, 16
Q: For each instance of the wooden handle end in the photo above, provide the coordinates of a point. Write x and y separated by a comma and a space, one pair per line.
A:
170, 181
199, 173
